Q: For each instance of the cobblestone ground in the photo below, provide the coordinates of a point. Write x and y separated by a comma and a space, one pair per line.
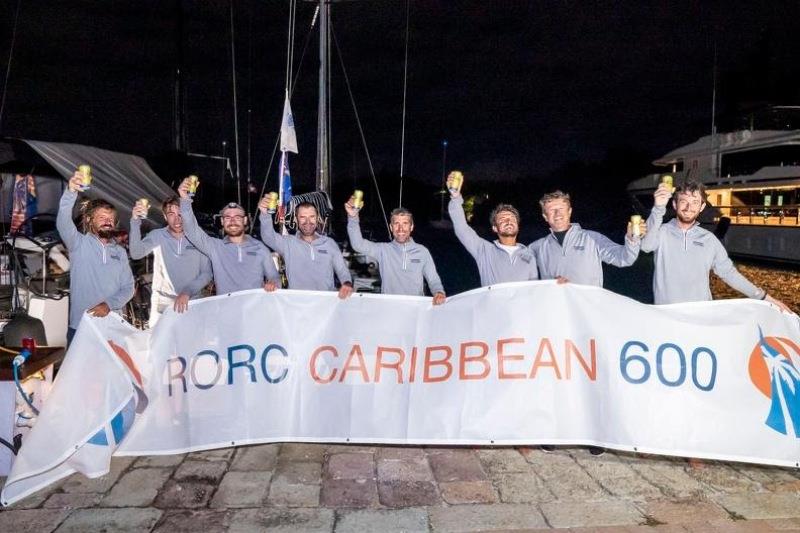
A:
317, 487
781, 282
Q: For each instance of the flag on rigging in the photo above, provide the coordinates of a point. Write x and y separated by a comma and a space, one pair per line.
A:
285, 186
288, 136
288, 144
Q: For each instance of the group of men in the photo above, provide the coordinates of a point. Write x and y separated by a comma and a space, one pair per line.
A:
186, 259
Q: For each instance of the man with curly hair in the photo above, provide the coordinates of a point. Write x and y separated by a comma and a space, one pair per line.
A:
501, 260
100, 278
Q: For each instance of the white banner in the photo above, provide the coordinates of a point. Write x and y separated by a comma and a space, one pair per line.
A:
514, 364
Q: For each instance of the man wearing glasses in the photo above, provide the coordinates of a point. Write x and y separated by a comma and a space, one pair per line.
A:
239, 261
685, 253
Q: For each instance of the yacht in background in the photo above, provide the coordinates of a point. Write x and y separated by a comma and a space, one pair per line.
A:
753, 181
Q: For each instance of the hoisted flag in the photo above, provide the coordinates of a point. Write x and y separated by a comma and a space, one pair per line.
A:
288, 136
285, 187
288, 144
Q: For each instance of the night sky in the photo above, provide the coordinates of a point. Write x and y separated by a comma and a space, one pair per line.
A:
519, 89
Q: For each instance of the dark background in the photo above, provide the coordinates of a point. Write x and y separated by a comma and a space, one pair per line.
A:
530, 95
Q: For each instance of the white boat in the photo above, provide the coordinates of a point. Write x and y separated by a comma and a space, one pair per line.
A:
753, 182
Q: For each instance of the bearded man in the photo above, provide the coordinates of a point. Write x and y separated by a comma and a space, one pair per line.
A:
239, 261
685, 253
404, 265
100, 279
501, 260
311, 259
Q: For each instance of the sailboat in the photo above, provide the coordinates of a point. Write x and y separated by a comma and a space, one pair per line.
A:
364, 269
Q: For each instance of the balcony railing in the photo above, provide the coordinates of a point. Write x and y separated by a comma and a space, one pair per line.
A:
760, 215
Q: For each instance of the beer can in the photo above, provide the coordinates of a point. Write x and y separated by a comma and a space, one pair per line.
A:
145, 203
194, 181
667, 180
86, 176
456, 179
635, 221
272, 202
358, 199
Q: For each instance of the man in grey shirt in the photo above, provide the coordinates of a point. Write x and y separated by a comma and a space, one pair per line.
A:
180, 271
402, 262
685, 253
571, 253
239, 261
502, 260
311, 258
100, 277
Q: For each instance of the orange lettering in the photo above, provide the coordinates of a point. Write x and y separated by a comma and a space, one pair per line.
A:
412, 372
445, 362
396, 365
313, 364
480, 358
360, 366
501, 359
570, 348
545, 346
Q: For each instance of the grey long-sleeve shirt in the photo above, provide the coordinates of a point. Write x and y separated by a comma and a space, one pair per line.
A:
97, 272
683, 260
495, 265
237, 267
580, 257
402, 266
187, 270
309, 265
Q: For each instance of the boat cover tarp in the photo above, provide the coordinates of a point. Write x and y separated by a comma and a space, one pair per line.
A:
119, 178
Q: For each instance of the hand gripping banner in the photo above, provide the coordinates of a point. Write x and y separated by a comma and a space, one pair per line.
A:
513, 364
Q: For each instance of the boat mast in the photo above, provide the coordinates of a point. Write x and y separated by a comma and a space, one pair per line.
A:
323, 118
714, 143
178, 103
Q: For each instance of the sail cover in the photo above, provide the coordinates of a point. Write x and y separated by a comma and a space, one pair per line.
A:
119, 178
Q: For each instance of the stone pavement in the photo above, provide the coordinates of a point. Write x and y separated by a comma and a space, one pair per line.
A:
318, 487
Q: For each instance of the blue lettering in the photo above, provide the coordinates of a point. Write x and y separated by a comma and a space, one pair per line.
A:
264, 356
247, 364
660, 362
193, 375
177, 375
713, 362
625, 360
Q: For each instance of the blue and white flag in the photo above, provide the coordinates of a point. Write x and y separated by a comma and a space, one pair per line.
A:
288, 136
285, 188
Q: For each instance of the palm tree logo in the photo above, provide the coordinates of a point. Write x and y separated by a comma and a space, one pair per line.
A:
774, 370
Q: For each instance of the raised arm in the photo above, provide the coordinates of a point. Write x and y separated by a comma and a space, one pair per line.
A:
661, 197
468, 237
357, 241
271, 238
66, 227
139, 247
191, 228
620, 255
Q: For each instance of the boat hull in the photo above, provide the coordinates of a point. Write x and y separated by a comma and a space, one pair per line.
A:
774, 243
